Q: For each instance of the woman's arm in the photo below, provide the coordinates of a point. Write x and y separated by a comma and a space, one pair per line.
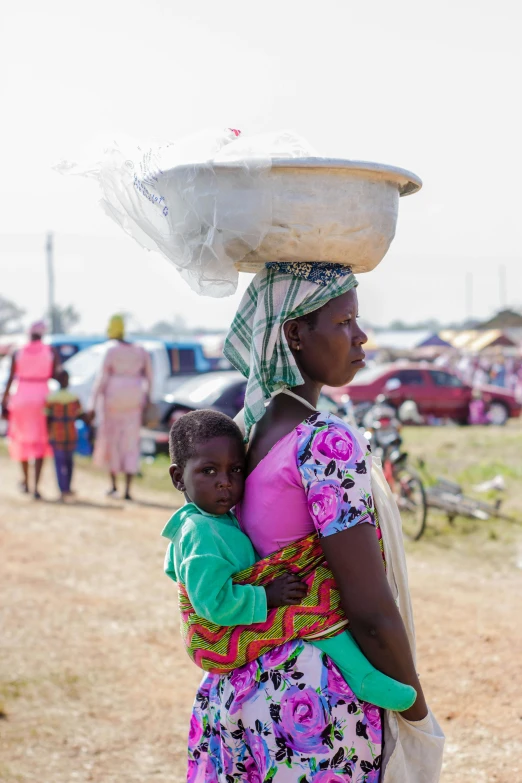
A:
335, 470
8, 384
356, 563
57, 363
100, 384
148, 375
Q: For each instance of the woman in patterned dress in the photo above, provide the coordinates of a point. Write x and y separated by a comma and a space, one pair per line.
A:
123, 388
289, 717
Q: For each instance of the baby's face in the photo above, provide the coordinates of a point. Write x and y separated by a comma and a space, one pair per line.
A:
214, 479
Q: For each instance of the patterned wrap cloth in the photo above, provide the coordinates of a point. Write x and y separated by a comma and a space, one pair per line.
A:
221, 649
256, 345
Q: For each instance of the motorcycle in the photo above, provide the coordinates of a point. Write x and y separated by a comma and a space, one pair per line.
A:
382, 428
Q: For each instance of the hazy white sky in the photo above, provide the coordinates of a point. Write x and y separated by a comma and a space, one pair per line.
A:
434, 88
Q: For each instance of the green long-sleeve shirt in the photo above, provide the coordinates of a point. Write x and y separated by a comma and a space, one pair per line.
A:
204, 553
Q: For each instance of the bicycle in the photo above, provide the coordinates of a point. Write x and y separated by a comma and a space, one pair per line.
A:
383, 431
408, 488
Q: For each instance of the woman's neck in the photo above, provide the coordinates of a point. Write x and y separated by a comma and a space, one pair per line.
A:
309, 391
283, 414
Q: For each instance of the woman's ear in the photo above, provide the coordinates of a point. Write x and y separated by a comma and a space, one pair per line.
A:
293, 338
176, 475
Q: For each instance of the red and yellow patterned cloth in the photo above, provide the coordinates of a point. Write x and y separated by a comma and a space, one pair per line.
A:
221, 649
62, 410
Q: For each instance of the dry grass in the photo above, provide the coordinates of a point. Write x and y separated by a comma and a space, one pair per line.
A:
469, 456
94, 684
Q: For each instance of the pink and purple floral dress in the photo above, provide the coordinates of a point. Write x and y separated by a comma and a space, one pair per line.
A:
290, 717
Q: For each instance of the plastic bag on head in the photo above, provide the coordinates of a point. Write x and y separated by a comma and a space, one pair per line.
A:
170, 197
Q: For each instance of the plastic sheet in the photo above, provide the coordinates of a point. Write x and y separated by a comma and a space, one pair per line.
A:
169, 198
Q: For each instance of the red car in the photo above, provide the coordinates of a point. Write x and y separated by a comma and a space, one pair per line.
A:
436, 392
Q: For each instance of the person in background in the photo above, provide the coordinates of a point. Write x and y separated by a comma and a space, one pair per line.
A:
478, 414
498, 372
481, 374
32, 367
62, 410
518, 383
122, 391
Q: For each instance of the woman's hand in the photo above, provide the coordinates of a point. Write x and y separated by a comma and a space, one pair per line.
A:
286, 590
7, 389
417, 712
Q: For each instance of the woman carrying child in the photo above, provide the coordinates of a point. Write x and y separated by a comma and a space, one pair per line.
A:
290, 715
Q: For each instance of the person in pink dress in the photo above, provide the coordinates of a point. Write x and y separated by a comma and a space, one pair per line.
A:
121, 392
32, 367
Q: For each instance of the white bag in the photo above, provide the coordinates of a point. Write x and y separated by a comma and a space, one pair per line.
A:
413, 750
169, 199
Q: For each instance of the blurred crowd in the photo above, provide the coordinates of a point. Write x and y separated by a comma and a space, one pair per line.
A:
498, 370
41, 425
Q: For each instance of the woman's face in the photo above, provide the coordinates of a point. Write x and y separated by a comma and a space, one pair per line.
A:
329, 349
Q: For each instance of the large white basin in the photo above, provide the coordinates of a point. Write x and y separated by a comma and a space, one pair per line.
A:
321, 209
332, 210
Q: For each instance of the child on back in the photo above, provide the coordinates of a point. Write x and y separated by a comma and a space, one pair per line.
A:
207, 548
63, 408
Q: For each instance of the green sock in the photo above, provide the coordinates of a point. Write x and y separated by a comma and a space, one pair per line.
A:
367, 682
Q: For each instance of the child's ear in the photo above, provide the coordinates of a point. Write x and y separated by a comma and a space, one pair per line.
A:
176, 475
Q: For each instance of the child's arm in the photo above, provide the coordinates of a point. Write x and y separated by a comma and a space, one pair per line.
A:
207, 576
80, 414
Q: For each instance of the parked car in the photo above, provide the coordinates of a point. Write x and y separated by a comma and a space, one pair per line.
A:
222, 391
68, 345
172, 363
437, 393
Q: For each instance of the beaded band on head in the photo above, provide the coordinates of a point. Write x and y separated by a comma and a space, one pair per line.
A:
315, 272
256, 344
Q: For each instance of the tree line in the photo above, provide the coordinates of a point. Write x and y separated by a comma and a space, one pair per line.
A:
63, 318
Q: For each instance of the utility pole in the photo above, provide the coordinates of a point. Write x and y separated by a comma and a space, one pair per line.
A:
502, 288
469, 296
50, 282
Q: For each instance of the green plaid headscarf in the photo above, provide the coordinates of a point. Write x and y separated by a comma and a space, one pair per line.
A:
256, 344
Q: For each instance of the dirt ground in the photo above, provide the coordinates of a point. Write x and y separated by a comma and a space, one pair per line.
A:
95, 686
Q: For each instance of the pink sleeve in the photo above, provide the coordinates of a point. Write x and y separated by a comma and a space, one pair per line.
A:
334, 462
